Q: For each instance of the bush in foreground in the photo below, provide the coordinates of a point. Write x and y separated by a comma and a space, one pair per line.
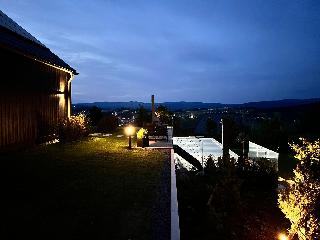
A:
300, 199
73, 128
229, 202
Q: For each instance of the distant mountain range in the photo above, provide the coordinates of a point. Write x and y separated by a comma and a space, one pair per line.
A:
175, 106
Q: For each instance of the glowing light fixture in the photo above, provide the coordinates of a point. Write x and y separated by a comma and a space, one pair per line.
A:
129, 131
282, 236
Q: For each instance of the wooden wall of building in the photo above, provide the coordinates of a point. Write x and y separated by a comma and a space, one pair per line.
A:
33, 99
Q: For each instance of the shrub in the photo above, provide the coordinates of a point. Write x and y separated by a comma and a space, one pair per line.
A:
300, 199
142, 133
164, 115
228, 203
73, 128
143, 117
142, 138
107, 124
95, 115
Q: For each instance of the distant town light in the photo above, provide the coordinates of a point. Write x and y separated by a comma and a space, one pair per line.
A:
282, 236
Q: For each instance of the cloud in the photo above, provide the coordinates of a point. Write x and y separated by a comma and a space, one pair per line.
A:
213, 51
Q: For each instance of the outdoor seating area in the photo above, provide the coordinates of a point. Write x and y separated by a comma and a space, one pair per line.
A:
162, 141
158, 132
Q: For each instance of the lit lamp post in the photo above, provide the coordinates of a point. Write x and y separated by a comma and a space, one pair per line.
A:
129, 131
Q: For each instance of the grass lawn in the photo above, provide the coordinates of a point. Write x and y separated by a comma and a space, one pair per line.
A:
93, 189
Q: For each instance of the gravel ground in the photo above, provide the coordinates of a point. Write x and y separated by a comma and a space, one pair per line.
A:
161, 212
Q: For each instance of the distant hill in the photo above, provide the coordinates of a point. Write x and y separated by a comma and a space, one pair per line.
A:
190, 105
113, 105
279, 103
183, 106
172, 106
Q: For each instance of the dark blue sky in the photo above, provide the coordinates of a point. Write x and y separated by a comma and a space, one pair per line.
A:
211, 51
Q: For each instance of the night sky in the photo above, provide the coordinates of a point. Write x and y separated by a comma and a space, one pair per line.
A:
210, 51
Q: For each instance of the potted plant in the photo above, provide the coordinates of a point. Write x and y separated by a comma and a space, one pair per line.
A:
142, 138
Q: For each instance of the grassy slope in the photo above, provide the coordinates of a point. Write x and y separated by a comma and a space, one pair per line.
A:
93, 189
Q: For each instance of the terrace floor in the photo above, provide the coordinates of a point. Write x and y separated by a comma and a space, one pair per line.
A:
92, 189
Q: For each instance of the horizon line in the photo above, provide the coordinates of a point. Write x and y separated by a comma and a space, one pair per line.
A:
135, 101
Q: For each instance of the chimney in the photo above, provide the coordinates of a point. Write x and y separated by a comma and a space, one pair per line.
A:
153, 109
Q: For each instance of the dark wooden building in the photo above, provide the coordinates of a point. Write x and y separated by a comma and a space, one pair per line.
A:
35, 90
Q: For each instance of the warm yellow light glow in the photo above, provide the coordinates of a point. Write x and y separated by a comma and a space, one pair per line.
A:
62, 105
62, 86
141, 133
129, 130
282, 236
57, 67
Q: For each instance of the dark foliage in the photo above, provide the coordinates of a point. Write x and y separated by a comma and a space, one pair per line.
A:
95, 114
143, 117
107, 124
229, 202
73, 128
164, 115
184, 126
211, 127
